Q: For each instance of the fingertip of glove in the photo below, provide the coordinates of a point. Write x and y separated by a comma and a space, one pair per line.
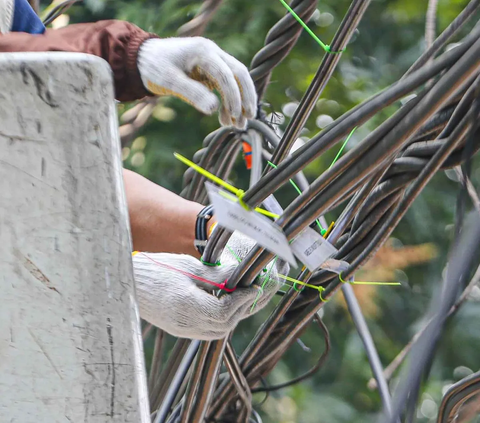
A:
250, 110
240, 123
224, 117
209, 104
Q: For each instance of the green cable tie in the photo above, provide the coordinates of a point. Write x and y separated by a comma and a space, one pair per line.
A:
206, 263
295, 287
343, 146
265, 280
326, 47
233, 254
335, 52
299, 193
238, 258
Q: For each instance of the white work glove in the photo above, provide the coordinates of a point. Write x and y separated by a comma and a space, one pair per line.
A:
189, 68
175, 303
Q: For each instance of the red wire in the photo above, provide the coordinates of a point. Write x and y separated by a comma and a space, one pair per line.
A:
222, 286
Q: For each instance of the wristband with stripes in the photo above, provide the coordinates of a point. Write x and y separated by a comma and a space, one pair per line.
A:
201, 234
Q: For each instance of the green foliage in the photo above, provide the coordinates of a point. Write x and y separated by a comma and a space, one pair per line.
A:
387, 42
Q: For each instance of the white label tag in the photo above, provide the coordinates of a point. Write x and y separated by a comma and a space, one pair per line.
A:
231, 215
272, 205
312, 249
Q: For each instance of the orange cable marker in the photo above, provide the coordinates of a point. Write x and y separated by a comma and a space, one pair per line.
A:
247, 154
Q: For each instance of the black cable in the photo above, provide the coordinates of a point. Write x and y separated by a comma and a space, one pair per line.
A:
359, 114
176, 382
360, 161
310, 372
416, 187
201, 236
464, 255
460, 212
466, 167
449, 32
371, 244
368, 344
267, 393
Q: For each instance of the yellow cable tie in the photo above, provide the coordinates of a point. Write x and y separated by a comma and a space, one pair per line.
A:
320, 289
267, 213
238, 192
323, 300
134, 253
329, 230
206, 173
368, 283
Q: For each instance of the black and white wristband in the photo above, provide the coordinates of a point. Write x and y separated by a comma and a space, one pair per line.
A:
201, 234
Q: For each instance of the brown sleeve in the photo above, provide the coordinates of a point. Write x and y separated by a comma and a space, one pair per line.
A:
115, 41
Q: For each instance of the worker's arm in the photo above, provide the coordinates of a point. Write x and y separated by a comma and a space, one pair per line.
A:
117, 42
142, 64
160, 220
170, 298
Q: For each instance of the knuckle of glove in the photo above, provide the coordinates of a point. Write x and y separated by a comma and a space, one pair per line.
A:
205, 43
200, 48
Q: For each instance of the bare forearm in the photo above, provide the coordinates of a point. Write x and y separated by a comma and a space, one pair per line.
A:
160, 220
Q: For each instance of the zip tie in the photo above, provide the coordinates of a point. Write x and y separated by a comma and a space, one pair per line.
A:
295, 287
299, 191
222, 286
238, 192
240, 195
234, 254
368, 283
327, 232
326, 47
323, 300
206, 263
343, 146
134, 253
206, 173
289, 279
341, 279
265, 280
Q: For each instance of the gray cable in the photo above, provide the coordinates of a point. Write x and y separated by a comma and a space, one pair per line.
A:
372, 354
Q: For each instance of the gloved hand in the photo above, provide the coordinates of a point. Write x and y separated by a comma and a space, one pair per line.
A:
189, 68
175, 303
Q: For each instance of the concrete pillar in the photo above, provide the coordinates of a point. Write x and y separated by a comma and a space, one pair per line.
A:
70, 344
